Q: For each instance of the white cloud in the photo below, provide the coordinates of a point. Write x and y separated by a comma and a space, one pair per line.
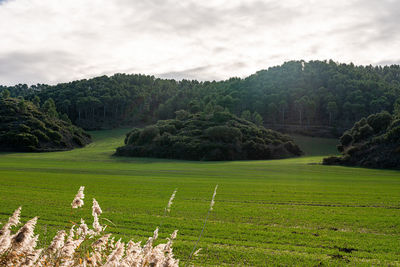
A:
50, 41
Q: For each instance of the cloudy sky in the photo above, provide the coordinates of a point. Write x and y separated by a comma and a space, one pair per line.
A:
51, 41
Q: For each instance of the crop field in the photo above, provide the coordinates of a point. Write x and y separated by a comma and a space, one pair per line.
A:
279, 212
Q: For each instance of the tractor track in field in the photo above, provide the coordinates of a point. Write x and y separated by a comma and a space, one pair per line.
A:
311, 204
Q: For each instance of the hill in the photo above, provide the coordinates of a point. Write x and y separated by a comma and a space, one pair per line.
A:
23, 127
201, 136
326, 94
372, 142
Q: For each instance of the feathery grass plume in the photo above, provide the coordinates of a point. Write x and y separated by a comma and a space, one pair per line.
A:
204, 225
5, 232
57, 243
23, 238
213, 197
133, 254
96, 208
78, 200
170, 201
96, 211
197, 252
116, 256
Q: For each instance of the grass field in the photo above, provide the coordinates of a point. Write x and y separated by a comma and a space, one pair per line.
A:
278, 212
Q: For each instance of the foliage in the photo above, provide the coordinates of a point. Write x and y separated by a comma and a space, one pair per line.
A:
23, 127
201, 136
372, 142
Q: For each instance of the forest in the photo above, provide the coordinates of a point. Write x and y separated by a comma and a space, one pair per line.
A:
314, 93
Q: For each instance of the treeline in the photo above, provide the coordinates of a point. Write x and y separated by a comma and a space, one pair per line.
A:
302, 93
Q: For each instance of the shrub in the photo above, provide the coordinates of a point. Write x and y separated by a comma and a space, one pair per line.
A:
224, 134
36, 124
54, 135
379, 121
393, 135
346, 139
148, 134
132, 137
26, 139
24, 128
291, 147
77, 141
352, 150
366, 131
40, 135
331, 160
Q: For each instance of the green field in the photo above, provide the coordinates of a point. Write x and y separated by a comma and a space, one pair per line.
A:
278, 212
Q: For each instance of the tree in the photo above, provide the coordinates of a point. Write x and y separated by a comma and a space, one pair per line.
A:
49, 107
332, 109
397, 108
5, 94
246, 115
22, 106
272, 112
257, 119
282, 108
310, 110
300, 105
36, 101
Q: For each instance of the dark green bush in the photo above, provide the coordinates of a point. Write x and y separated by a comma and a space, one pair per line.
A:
346, 139
78, 141
147, 135
352, 150
393, 135
40, 135
53, 135
132, 137
366, 131
24, 128
224, 134
379, 121
26, 139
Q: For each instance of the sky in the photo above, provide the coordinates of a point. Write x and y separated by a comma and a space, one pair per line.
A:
52, 41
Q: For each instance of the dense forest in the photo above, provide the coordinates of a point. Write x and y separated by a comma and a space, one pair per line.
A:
315, 93
25, 127
372, 142
207, 136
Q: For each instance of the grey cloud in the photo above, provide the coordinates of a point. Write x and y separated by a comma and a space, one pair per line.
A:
203, 73
388, 62
31, 68
198, 73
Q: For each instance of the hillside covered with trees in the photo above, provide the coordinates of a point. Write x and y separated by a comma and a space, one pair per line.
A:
372, 142
315, 93
25, 127
207, 136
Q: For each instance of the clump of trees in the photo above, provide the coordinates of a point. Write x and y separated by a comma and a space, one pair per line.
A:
207, 136
372, 142
25, 127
